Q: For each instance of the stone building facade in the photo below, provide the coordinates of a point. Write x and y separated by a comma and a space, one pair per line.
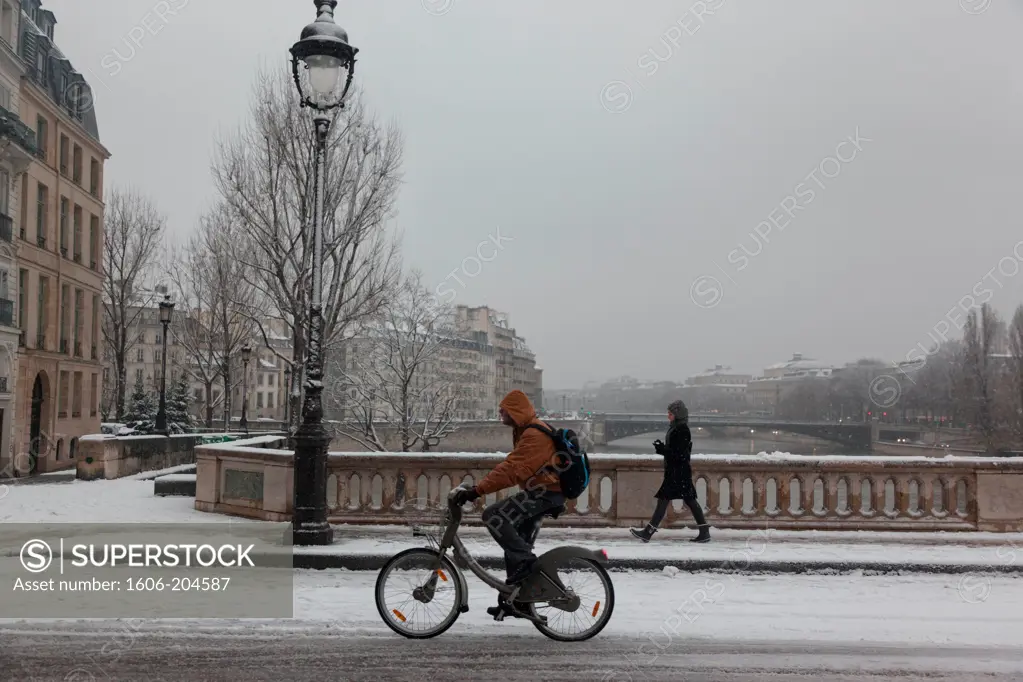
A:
59, 251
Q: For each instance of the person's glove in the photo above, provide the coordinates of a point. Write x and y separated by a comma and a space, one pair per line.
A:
463, 495
659, 446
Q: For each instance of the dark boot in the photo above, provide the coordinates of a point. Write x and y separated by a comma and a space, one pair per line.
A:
644, 534
704, 535
523, 571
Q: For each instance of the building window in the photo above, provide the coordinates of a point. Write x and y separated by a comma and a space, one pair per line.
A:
79, 332
95, 327
65, 293
76, 168
42, 133
260, 379
5, 193
157, 356
7, 29
159, 338
42, 208
141, 355
259, 401
94, 396
22, 300
94, 177
138, 375
78, 233
64, 153
44, 307
63, 225
270, 400
65, 394
93, 242
76, 401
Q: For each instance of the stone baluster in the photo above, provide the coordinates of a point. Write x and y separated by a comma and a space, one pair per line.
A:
877, 483
784, 502
735, 494
713, 493
902, 495
806, 484
759, 495
855, 495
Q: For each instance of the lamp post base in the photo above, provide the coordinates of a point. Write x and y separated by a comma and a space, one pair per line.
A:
312, 533
309, 519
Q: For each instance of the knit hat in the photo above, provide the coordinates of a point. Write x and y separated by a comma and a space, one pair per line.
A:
679, 409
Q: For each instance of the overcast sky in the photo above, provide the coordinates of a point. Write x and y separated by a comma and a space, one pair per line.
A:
631, 152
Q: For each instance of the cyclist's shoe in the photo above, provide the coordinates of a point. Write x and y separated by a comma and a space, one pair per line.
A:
520, 573
503, 610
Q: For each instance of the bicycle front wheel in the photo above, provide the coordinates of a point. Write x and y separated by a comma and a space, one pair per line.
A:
416, 598
588, 608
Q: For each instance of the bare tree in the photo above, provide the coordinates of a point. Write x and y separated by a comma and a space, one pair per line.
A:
264, 173
404, 373
132, 235
1016, 375
216, 305
981, 335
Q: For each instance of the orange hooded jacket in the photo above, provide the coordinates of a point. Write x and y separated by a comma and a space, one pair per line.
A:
531, 450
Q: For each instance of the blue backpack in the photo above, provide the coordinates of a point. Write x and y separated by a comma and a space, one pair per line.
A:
573, 467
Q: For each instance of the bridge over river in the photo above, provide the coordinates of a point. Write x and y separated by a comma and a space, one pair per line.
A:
602, 429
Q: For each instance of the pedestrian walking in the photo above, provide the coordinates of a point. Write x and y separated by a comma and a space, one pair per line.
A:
676, 449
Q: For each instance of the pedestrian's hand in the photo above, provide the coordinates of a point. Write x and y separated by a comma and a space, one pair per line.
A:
658, 446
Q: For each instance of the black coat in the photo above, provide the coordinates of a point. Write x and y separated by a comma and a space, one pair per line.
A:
678, 473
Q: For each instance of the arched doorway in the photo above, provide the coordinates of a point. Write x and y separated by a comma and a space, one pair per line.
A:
40, 393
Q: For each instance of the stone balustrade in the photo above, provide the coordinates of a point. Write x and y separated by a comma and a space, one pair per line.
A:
777, 491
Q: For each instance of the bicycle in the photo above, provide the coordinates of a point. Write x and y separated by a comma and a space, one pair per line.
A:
548, 596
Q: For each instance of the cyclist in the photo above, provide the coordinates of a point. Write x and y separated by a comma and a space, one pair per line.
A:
512, 521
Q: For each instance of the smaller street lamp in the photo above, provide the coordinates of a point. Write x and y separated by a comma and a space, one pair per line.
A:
166, 307
246, 355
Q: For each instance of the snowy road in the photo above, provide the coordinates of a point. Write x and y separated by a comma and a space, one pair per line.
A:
787, 627
221, 658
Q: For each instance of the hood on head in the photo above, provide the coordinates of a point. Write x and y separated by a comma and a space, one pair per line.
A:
679, 409
518, 406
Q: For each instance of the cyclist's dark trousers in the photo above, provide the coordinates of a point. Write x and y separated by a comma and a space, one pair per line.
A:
513, 521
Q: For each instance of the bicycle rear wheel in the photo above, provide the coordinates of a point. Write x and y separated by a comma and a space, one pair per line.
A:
415, 598
578, 621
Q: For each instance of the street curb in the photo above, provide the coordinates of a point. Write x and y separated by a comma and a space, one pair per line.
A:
374, 562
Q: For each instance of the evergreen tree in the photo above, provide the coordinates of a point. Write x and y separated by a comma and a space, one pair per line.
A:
179, 419
142, 408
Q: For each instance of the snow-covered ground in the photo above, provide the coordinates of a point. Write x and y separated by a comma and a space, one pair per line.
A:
676, 608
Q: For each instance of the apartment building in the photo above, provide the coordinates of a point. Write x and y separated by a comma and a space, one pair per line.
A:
766, 392
514, 363
717, 389
17, 151
266, 373
59, 240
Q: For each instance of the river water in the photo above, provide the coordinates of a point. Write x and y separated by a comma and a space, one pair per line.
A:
702, 444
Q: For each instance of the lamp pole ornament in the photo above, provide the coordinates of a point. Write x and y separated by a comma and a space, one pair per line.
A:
318, 59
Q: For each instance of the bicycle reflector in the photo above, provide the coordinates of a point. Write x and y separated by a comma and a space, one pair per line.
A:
604, 552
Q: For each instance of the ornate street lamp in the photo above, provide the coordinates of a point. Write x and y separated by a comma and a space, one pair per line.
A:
166, 307
246, 355
319, 60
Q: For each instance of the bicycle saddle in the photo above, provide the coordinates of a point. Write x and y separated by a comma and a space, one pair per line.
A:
555, 512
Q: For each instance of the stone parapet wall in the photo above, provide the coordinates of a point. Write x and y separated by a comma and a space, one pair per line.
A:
760, 491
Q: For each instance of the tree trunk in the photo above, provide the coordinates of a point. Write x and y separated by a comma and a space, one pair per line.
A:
227, 397
209, 404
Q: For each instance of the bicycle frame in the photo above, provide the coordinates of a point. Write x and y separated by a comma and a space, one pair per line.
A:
542, 586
